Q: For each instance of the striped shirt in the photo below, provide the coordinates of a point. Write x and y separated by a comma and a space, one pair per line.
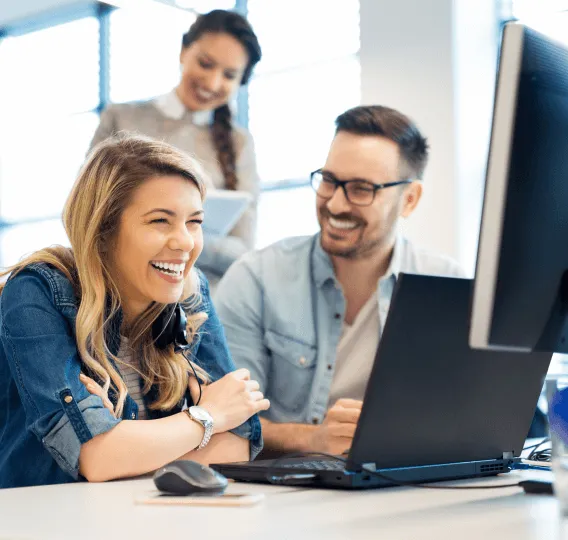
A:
128, 367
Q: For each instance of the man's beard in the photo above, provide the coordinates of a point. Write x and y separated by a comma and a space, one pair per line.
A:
360, 248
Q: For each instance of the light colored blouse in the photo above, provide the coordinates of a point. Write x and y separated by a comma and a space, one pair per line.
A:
166, 118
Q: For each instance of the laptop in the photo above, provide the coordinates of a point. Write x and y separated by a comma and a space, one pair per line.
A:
434, 409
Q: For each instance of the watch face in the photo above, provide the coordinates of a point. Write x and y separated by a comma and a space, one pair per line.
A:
200, 414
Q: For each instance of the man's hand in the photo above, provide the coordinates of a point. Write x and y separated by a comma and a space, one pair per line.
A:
335, 434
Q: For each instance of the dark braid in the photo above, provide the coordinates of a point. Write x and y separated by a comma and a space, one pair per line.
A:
222, 133
226, 22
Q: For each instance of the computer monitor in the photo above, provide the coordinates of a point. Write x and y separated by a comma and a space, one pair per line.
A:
520, 297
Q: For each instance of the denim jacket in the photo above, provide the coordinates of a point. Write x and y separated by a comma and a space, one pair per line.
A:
46, 413
282, 309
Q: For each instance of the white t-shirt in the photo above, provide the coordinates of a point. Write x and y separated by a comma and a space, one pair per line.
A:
356, 353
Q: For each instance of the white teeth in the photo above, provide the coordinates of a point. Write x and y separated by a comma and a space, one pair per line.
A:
169, 268
204, 94
342, 223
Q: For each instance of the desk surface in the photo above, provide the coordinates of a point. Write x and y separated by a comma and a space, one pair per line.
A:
95, 511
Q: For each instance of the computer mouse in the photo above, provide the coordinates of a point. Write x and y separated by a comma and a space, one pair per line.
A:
184, 477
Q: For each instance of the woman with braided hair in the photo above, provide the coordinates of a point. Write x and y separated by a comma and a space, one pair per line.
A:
218, 54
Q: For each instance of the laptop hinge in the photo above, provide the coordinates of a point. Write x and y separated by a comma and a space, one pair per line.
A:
508, 455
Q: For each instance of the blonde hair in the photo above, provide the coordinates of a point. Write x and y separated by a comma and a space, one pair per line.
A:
91, 216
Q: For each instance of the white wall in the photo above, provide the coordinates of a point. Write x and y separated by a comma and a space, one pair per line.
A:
435, 61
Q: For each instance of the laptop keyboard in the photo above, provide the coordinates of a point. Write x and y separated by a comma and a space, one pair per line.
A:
323, 465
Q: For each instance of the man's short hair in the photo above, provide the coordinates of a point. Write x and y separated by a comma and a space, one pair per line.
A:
389, 123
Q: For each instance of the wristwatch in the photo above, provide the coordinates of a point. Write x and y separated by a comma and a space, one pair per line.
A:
200, 415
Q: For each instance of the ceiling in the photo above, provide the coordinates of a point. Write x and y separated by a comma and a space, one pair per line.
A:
14, 12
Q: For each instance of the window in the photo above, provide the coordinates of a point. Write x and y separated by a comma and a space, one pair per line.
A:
20, 240
202, 6
49, 88
308, 75
292, 140
144, 50
286, 212
300, 87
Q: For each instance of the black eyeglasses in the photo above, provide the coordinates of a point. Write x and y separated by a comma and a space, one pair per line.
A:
357, 192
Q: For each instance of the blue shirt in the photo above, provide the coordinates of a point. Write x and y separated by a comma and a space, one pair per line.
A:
283, 309
46, 413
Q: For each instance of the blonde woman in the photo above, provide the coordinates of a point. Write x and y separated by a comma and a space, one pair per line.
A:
86, 393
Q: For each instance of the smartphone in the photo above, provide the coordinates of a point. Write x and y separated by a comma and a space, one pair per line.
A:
225, 499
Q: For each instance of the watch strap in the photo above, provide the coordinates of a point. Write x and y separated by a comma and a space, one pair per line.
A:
208, 426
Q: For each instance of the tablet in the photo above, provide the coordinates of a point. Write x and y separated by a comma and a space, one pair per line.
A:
223, 208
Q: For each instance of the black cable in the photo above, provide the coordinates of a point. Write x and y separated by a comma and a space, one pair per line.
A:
539, 455
273, 479
544, 456
183, 351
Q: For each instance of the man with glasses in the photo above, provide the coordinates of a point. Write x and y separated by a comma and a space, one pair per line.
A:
305, 315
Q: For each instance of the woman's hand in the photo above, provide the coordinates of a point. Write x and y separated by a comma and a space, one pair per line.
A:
97, 390
231, 400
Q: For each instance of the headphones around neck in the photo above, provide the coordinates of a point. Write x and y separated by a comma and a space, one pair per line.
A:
171, 328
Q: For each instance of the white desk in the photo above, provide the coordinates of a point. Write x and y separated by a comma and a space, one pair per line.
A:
107, 511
